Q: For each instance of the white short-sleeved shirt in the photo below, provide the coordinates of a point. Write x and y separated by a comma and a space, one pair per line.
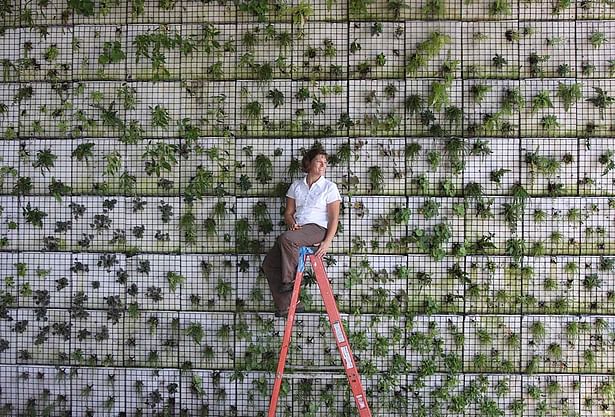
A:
311, 203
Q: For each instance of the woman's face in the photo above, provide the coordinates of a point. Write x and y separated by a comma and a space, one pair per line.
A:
318, 166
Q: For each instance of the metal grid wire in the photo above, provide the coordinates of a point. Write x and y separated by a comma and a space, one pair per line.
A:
147, 148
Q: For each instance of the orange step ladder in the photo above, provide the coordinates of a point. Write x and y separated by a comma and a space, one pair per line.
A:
339, 334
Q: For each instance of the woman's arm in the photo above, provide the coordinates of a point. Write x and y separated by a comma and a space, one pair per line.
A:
289, 214
333, 216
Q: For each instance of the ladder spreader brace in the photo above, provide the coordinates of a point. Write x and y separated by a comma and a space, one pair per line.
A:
339, 334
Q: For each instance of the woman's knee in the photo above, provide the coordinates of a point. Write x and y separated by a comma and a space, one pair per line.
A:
285, 239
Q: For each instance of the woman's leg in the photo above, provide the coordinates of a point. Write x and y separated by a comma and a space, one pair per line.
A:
291, 241
280, 264
273, 272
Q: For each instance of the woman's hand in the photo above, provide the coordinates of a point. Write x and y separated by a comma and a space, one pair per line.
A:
323, 247
294, 226
289, 215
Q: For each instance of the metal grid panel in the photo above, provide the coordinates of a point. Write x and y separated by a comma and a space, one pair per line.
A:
146, 148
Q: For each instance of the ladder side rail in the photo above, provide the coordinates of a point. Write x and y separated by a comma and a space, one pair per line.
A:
339, 334
288, 330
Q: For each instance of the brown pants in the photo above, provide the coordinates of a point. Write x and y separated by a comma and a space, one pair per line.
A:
280, 264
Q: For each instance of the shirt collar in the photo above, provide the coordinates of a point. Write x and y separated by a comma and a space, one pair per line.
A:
318, 183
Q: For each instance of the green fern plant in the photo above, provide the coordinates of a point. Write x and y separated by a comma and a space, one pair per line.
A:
264, 168
479, 91
427, 50
542, 100
376, 179
569, 94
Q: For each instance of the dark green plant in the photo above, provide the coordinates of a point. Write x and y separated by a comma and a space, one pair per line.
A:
200, 184
560, 6
550, 123
58, 189
592, 281
473, 191
453, 115
569, 94
513, 213
543, 164
433, 159
301, 13
376, 29
433, 9
253, 110
438, 95
481, 148
496, 175
498, 61
45, 160
542, 100
536, 62
499, 8
195, 331
538, 331
264, 168
242, 240
128, 96
112, 53
359, 7
564, 70
34, 215
187, 224
426, 50
601, 100
257, 8
276, 97
448, 69
413, 104
455, 150
515, 248
412, 150
483, 208
432, 242
160, 157
430, 209
479, 91
160, 116
376, 179
587, 68
396, 6
83, 152
262, 217
513, 101
82, 7
597, 39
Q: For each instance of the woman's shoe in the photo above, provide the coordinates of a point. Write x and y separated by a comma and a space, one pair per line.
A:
284, 313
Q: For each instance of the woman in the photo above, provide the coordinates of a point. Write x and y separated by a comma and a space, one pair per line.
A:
311, 217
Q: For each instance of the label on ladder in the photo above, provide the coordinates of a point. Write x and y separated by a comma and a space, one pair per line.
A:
339, 334
360, 401
346, 355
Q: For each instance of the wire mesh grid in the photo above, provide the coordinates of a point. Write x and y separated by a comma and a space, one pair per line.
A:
148, 148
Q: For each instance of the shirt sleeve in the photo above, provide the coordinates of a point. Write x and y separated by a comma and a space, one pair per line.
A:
333, 194
292, 193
